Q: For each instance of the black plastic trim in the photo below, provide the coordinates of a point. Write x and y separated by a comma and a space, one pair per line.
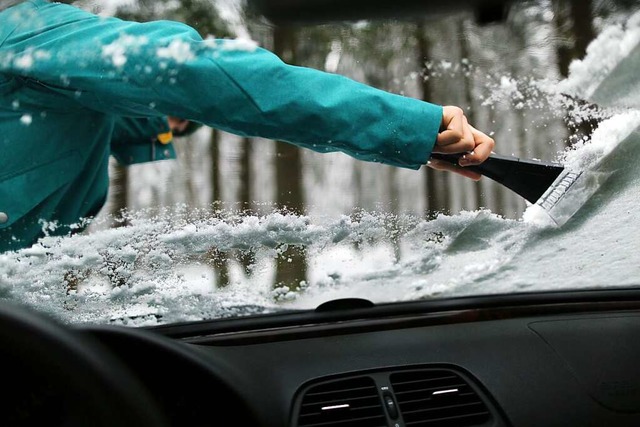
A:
278, 326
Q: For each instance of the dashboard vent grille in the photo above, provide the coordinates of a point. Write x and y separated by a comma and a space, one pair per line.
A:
350, 402
437, 398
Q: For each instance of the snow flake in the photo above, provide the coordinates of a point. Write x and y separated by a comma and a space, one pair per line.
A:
178, 50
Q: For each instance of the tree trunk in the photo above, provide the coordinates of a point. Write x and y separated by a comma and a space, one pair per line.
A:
246, 258
574, 25
291, 268
469, 106
436, 199
218, 260
120, 198
244, 196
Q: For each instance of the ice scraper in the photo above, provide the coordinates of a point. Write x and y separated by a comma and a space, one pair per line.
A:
559, 191
528, 178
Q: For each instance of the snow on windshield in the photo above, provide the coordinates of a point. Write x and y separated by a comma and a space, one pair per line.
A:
612, 47
161, 268
165, 278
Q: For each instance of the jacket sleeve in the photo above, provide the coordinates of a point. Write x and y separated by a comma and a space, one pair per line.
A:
141, 139
166, 68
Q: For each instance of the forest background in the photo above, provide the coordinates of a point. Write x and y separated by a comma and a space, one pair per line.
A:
502, 74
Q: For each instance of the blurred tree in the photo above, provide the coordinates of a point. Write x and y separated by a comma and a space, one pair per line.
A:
204, 17
245, 192
470, 99
574, 26
217, 259
246, 258
119, 195
214, 153
291, 268
436, 199
288, 156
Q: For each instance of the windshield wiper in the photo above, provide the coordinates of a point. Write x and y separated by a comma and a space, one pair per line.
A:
344, 304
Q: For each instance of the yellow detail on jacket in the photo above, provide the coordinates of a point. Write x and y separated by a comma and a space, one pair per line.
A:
165, 138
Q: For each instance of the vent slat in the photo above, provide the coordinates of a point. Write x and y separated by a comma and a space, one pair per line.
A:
325, 396
356, 422
427, 400
345, 390
441, 378
364, 402
364, 410
431, 389
352, 411
460, 420
419, 406
352, 423
424, 398
361, 418
408, 414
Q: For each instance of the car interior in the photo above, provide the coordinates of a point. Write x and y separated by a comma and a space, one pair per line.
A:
556, 358
549, 358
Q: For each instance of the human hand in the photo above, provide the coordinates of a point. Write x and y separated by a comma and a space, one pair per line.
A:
458, 136
177, 124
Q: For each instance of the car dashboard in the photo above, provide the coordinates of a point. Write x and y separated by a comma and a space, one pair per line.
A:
546, 359
550, 359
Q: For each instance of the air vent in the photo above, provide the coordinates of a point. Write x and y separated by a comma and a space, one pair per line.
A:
352, 402
438, 398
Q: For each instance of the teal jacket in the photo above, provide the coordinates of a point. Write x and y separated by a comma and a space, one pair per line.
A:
76, 88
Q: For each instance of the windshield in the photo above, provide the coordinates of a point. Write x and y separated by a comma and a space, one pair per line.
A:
239, 226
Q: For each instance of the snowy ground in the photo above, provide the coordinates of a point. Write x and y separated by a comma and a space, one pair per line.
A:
155, 270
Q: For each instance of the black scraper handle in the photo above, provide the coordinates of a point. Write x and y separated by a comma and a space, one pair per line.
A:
528, 178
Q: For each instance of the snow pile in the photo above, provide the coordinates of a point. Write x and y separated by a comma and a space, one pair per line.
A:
605, 78
549, 97
608, 75
613, 45
585, 154
160, 269
589, 157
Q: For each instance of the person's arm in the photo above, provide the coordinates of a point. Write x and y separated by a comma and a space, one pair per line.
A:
165, 68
